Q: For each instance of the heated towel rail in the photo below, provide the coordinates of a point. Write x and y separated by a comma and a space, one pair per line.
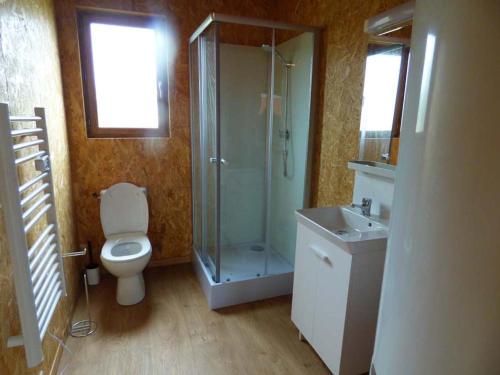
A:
31, 226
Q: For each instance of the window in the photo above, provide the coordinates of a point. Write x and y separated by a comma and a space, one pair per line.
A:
383, 90
124, 73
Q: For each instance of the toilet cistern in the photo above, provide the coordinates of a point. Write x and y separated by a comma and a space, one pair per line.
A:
366, 206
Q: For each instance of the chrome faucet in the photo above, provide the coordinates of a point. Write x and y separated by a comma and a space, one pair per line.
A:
366, 206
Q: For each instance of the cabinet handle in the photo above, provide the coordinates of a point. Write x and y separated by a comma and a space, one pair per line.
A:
320, 254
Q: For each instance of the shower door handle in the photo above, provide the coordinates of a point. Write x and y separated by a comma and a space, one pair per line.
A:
223, 161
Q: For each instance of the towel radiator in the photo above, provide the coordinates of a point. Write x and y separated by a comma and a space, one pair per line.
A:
36, 259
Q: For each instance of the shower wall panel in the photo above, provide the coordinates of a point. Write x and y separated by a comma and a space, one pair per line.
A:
287, 194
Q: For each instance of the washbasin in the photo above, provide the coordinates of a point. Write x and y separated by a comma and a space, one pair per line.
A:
346, 227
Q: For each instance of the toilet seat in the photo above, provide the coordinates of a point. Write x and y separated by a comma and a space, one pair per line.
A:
114, 251
124, 209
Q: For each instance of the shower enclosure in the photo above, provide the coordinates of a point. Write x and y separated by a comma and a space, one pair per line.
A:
252, 84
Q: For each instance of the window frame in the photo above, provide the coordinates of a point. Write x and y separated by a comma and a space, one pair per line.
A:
375, 48
400, 95
158, 23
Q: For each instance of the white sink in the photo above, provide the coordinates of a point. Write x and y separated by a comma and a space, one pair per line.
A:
346, 227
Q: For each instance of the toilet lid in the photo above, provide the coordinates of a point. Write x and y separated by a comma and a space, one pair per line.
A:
124, 209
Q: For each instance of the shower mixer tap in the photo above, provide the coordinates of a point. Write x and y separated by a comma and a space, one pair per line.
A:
285, 160
285, 134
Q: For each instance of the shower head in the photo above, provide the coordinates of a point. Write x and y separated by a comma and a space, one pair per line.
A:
268, 48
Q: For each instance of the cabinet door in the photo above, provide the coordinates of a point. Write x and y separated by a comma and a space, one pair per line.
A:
332, 290
304, 284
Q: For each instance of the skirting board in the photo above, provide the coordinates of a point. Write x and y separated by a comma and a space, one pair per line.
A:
156, 263
236, 292
170, 261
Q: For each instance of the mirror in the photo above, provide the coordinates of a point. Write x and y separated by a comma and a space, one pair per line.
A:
383, 95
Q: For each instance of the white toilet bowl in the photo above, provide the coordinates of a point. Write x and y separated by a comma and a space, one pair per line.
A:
125, 256
124, 218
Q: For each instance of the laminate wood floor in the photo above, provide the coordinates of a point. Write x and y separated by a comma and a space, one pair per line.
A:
174, 332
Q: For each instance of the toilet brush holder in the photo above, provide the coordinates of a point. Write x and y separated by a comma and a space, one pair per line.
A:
92, 273
92, 270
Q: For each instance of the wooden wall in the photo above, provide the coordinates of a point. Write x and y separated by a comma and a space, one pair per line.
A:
30, 76
162, 165
343, 56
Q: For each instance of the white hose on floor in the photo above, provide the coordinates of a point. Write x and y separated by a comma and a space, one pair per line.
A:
65, 347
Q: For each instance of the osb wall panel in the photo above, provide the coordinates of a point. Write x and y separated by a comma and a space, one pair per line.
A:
162, 165
30, 76
343, 54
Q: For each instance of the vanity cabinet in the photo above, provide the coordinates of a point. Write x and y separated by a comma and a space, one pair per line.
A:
336, 296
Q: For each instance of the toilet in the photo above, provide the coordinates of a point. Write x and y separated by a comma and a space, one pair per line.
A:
124, 219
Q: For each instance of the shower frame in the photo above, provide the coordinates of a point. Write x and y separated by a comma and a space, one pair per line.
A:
217, 19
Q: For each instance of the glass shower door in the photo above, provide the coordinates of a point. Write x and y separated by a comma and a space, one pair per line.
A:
245, 72
209, 153
196, 146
